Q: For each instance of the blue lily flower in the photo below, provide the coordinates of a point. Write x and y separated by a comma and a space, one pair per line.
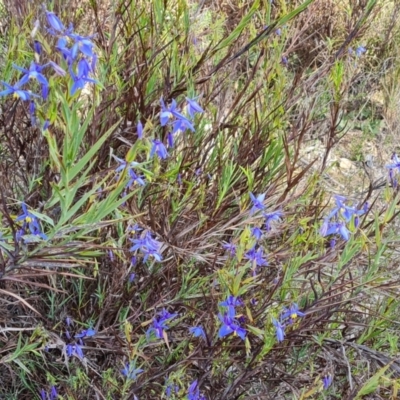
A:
231, 302
279, 329
30, 222
257, 202
16, 91
257, 257
194, 392
34, 72
270, 217
193, 107
230, 325
292, 313
86, 333
55, 22
159, 149
139, 130
197, 331
82, 44
230, 247
160, 323
327, 381
168, 113
75, 350
130, 371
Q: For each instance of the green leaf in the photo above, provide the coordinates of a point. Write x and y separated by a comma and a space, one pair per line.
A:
238, 30
90, 154
372, 383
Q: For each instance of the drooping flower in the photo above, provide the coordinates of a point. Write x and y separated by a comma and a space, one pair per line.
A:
279, 330
75, 350
181, 125
256, 232
130, 371
257, 203
86, 333
159, 149
81, 77
139, 130
193, 107
327, 381
270, 217
55, 22
230, 247
82, 44
197, 331
194, 392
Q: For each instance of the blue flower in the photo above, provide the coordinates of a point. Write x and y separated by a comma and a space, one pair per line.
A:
148, 246
327, 381
292, 313
273, 216
181, 126
256, 232
257, 203
17, 92
134, 178
81, 78
197, 331
230, 247
170, 139
160, 324
332, 228
53, 394
55, 22
230, 325
279, 329
30, 222
37, 47
193, 107
130, 371
139, 130
34, 72
158, 148
360, 50
74, 350
168, 113
82, 44
86, 333
194, 392
231, 302
257, 257
395, 164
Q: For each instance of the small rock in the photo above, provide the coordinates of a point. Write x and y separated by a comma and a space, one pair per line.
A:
345, 163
